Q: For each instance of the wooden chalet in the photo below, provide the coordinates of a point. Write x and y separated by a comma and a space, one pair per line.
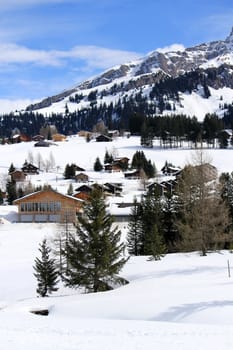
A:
42, 143
58, 137
29, 168
103, 138
48, 206
81, 177
17, 175
170, 170
38, 138
133, 174
84, 188
119, 164
113, 188
113, 133
82, 195
113, 167
78, 168
162, 188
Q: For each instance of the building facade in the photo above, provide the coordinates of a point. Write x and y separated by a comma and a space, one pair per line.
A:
48, 206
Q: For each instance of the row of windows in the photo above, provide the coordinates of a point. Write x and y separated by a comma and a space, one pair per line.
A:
50, 207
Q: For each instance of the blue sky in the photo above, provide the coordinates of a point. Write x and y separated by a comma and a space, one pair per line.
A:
47, 46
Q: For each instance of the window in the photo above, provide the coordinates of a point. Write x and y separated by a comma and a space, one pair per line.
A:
41, 207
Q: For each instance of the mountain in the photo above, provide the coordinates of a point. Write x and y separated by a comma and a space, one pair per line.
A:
192, 81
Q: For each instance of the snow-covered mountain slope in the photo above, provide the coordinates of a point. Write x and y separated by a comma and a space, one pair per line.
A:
212, 61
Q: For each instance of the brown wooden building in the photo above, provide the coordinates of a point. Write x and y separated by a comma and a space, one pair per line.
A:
18, 175
48, 206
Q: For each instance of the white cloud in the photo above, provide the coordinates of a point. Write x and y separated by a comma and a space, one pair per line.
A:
99, 57
7, 105
93, 57
12, 53
171, 48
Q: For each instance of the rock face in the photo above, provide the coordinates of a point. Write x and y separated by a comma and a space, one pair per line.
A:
156, 67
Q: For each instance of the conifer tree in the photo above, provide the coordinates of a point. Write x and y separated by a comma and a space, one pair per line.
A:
152, 239
134, 241
45, 271
11, 168
158, 247
94, 252
108, 158
97, 165
11, 191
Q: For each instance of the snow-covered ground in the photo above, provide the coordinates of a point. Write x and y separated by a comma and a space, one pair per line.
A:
183, 302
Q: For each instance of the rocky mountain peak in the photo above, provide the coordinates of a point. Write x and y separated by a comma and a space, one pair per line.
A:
230, 37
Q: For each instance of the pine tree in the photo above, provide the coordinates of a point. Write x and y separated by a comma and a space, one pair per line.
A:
11, 191
108, 158
11, 168
168, 220
134, 242
45, 271
158, 247
70, 189
151, 225
94, 252
97, 165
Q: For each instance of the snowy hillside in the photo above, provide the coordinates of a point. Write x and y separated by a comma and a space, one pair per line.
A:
128, 79
183, 301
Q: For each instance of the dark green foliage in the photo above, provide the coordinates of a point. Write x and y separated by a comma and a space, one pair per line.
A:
70, 190
134, 239
94, 253
1, 197
70, 170
212, 125
223, 138
168, 219
139, 161
152, 239
108, 158
146, 135
157, 245
11, 168
11, 191
226, 181
97, 165
92, 96
45, 271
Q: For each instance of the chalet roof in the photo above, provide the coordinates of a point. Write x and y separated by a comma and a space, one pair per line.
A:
84, 188
103, 138
34, 194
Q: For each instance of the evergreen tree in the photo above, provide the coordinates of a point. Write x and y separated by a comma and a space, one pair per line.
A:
45, 271
94, 253
108, 158
69, 172
158, 247
11, 168
11, 191
70, 189
168, 221
97, 165
134, 241
152, 239
226, 187
1, 197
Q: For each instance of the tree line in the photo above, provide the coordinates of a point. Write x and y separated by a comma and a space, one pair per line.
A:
136, 114
196, 215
